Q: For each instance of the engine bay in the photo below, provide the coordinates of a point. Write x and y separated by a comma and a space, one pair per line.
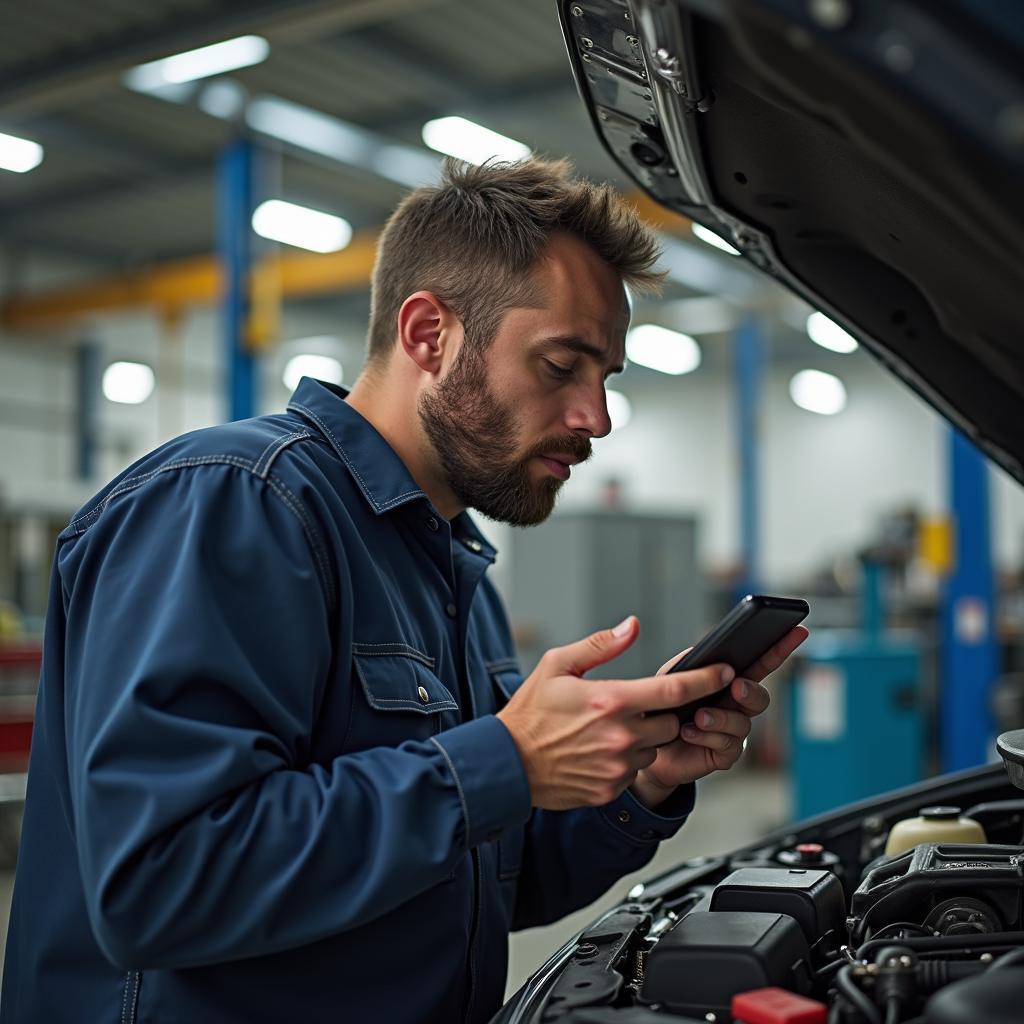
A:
907, 908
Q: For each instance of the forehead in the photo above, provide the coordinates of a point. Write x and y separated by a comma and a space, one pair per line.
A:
574, 280
577, 295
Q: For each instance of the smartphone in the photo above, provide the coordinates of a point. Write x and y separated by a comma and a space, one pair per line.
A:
755, 625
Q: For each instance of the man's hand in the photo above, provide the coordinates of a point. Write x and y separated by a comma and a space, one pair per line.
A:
583, 741
715, 741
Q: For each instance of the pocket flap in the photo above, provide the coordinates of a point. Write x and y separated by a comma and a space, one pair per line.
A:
397, 678
505, 675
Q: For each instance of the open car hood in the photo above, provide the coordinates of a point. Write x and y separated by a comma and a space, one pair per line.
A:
867, 154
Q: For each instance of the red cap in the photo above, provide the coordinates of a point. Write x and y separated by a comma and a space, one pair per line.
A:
810, 848
777, 1006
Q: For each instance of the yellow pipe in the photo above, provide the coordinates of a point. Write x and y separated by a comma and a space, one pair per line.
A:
197, 281
194, 281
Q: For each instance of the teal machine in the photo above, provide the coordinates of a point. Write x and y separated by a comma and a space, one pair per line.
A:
856, 722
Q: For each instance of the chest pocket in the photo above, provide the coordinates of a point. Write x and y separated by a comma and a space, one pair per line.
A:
402, 698
506, 679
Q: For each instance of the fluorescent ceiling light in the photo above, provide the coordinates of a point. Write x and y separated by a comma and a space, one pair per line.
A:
229, 55
661, 349
706, 235
301, 226
347, 143
472, 142
830, 335
818, 392
705, 315
620, 409
128, 383
306, 364
19, 155
224, 98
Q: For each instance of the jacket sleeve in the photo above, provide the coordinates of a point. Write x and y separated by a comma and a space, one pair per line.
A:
571, 857
197, 639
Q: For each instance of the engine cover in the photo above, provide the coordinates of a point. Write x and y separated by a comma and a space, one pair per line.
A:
709, 956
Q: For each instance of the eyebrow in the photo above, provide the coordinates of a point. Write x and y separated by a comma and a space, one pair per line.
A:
576, 344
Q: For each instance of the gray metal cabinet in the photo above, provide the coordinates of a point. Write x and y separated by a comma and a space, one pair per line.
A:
580, 572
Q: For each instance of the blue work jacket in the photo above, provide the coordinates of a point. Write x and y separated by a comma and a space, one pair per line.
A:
267, 782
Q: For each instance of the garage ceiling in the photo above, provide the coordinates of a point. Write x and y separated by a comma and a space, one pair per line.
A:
129, 177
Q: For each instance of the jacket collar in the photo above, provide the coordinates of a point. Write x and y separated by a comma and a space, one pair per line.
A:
380, 474
375, 466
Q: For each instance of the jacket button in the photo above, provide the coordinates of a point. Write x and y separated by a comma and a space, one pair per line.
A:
451, 611
624, 816
474, 545
433, 525
424, 696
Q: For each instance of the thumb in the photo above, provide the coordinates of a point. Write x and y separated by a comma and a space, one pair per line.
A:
596, 649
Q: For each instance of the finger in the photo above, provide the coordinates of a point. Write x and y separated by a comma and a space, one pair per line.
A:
661, 693
657, 730
775, 656
744, 695
671, 661
643, 758
719, 742
596, 649
731, 723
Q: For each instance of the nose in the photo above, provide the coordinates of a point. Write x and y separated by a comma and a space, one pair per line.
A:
589, 412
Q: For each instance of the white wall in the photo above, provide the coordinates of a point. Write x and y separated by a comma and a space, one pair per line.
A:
825, 480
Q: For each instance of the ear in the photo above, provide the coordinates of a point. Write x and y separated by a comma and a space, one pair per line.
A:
426, 327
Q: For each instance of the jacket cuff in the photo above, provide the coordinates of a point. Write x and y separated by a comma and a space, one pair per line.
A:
489, 775
637, 822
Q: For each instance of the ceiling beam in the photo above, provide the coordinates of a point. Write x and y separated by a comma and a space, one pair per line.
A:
189, 282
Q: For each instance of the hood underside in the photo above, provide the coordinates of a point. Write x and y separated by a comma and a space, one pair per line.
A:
869, 155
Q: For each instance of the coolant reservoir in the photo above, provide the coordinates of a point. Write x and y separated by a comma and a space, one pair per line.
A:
935, 825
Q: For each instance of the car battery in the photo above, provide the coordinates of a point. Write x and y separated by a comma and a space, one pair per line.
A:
813, 898
699, 965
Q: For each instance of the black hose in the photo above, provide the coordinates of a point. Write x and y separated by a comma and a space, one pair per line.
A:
892, 1011
829, 969
1008, 960
880, 934
848, 987
947, 943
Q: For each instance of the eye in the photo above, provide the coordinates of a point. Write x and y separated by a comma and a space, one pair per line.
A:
557, 371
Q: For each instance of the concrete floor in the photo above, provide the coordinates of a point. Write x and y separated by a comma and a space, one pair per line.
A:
733, 808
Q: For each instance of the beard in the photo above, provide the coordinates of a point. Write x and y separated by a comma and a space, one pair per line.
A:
472, 432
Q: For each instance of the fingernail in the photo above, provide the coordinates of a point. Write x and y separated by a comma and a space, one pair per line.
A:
728, 674
689, 732
623, 627
706, 719
743, 689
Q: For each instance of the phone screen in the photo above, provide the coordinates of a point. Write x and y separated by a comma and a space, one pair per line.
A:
756, 624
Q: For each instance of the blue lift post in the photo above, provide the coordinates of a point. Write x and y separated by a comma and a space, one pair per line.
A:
235, 199
970, 651
87, 359
748, 369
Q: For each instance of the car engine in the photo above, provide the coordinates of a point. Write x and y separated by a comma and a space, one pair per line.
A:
902, 909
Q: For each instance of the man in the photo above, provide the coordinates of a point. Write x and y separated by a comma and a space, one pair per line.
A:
286, 766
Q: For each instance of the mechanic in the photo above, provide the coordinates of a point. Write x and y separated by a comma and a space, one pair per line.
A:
285, 764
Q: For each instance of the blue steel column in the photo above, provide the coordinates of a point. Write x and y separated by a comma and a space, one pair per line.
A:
748, 368
236, 250
87, 360
970, 649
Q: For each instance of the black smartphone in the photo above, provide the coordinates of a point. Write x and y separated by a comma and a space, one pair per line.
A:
755, 625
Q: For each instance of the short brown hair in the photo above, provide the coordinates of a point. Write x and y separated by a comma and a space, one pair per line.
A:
474, 238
